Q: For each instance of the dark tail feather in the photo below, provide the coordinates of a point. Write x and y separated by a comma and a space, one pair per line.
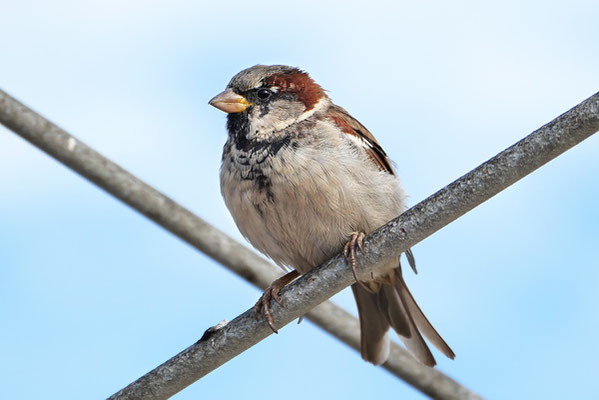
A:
411, 260
394, 306
411, 338
374, 326
420, 319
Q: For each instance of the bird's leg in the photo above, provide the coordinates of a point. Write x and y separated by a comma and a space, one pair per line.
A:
272, 292
349, 252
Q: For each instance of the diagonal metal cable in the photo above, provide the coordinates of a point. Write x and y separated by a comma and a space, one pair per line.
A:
195, 231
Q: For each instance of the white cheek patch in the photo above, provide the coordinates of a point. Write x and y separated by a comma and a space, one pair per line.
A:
274, 121
281, 115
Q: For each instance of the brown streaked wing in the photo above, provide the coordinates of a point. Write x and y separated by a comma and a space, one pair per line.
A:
352, 126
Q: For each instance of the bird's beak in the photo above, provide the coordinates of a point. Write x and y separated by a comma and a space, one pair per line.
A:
230, 102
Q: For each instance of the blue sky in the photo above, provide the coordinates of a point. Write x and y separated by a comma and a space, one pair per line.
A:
93, 295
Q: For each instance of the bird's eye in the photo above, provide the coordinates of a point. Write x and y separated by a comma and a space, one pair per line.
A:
264, 94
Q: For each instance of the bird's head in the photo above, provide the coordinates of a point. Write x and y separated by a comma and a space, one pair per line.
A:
265, 99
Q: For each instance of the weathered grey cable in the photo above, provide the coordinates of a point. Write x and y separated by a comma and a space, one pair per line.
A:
206, 238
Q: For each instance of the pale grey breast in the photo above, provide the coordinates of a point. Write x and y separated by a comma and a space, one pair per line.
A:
297, 199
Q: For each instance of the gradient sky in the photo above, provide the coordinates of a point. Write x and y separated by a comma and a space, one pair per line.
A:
93, 295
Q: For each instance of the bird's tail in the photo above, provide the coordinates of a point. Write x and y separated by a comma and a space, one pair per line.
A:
392, 305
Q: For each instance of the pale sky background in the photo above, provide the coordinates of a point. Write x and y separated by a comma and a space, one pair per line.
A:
93, 295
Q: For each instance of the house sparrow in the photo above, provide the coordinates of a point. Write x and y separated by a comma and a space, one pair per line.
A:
305, 180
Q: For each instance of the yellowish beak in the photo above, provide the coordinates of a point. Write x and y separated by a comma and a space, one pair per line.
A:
229, 102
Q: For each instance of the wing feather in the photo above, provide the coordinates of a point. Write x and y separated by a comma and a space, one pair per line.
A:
352, 126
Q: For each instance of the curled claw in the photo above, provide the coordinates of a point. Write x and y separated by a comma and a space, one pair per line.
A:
264, 303
349, 253
272, 292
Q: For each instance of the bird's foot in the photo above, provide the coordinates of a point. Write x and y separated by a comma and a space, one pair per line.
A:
272, 292
349, 253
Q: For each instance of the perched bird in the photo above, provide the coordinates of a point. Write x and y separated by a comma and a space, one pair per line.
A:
305, 180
